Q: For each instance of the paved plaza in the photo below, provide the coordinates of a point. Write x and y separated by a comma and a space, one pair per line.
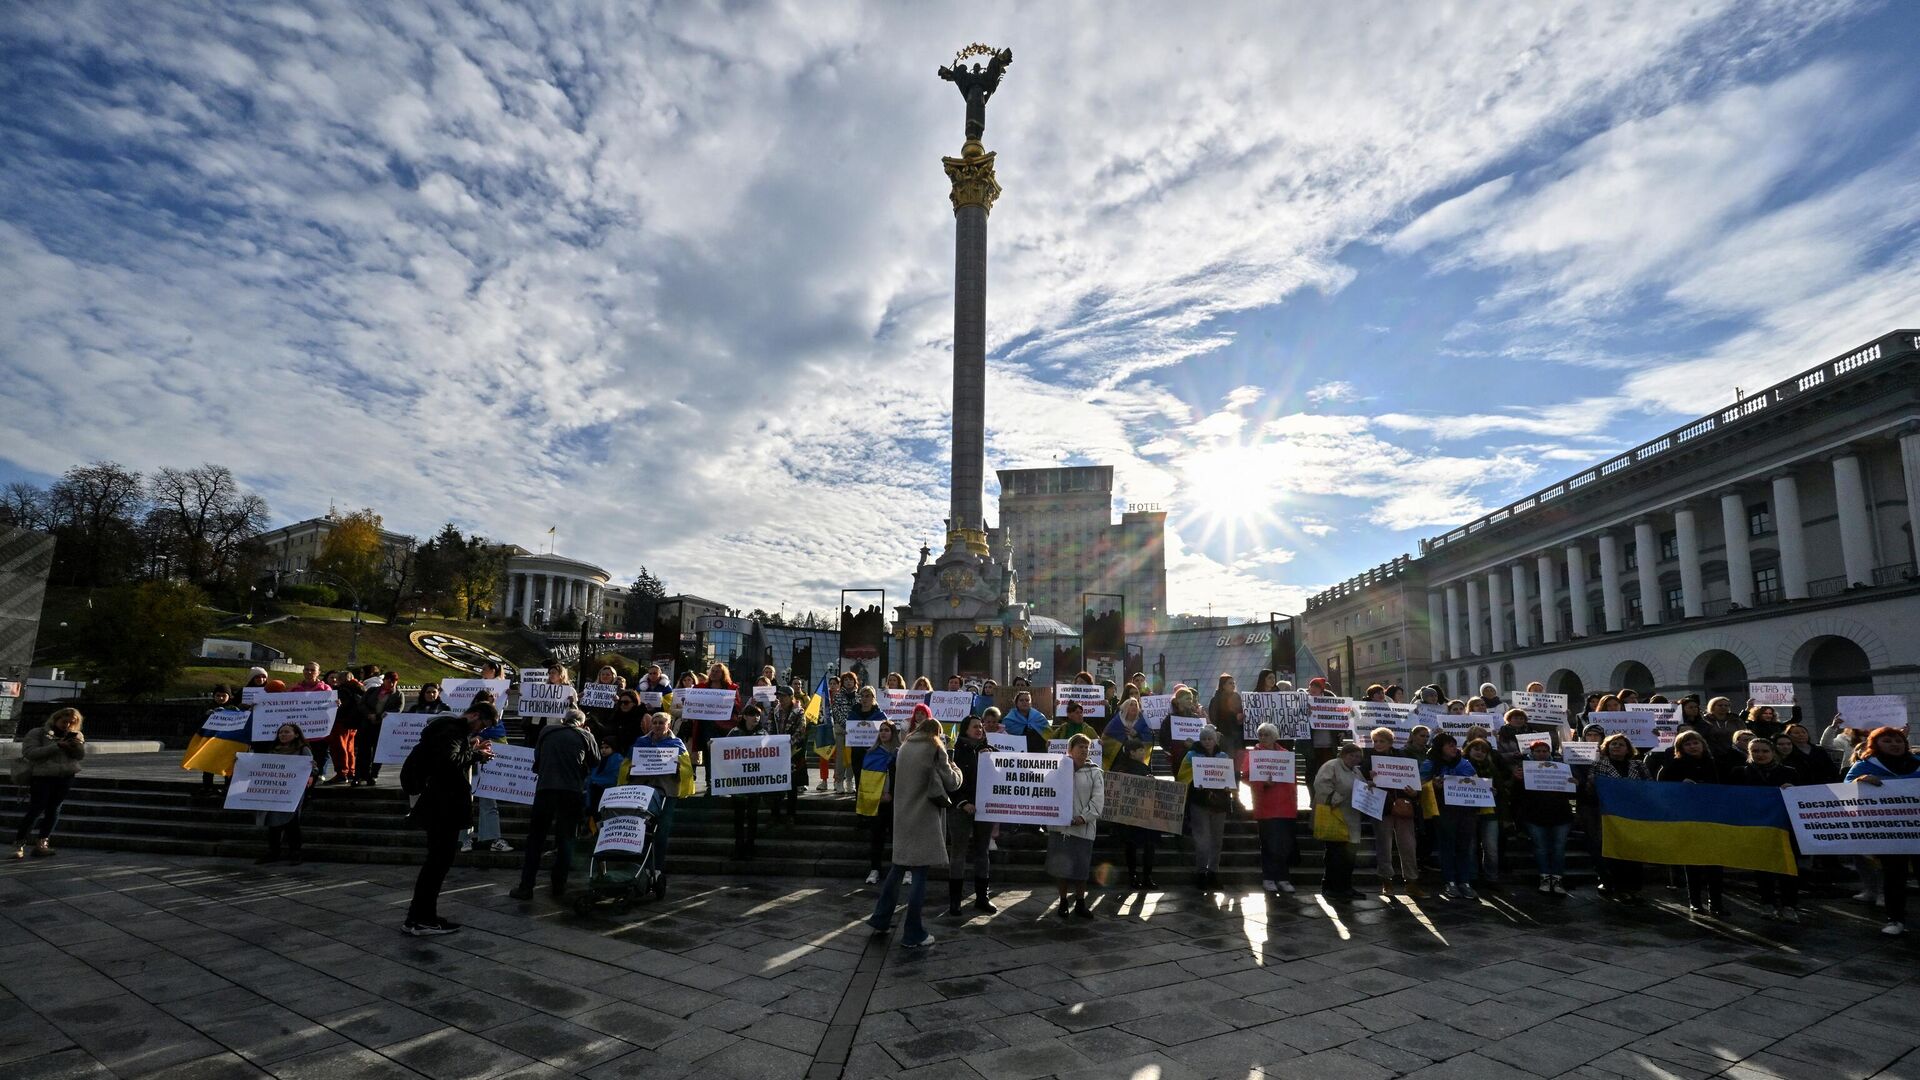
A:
135, 966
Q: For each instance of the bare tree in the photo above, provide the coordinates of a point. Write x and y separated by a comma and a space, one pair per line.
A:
95, 510
24, 507
202, 518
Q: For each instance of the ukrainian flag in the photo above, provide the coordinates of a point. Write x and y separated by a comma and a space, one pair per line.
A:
1695, 825
219, 741
816, 702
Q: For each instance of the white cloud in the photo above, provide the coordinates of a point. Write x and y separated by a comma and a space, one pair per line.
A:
1333, 392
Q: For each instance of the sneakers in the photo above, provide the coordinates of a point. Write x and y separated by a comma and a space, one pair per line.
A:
1559, 886
1448, 892
1287, 886
520, 892
1894, 929
429, 929
873, 877
500, 846
1466, 893
921, 944
1269, 885
1546, 883
1867, 896
42, 849
20, 852
466, 843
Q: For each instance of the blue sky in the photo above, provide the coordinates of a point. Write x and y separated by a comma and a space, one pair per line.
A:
677, 279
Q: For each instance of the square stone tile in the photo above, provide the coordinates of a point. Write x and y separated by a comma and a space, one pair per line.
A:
559, 1043
452, 1054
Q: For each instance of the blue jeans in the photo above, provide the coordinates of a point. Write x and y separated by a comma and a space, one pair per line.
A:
1549, 848
916, 896
1457, 830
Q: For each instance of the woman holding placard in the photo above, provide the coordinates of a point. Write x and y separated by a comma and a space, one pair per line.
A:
1275, 805
1336, 823
1186, 705
1458, 826
967, 839
1139, 840
1070, 846
1127, 724
1548, 816
283, 827
1693, 763
1887, 758
1207, 809
875, 801
1780, 893
1394, 832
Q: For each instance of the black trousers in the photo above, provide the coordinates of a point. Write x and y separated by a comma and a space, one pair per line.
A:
1708, 881
1339, 874
879, 827
1893, 884
1779, 889
558, 813
44, 796
1140, 844
443, 843
365, 743
746, 824
288, 833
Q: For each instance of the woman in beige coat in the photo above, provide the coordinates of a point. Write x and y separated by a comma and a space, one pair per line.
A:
924, 778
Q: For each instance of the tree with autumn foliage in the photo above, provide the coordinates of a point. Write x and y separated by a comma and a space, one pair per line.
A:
353, 552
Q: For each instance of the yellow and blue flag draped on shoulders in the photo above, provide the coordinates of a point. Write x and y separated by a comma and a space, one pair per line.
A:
221, 738
1695, 825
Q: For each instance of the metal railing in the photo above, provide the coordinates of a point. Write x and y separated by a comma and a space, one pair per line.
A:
1899, 343
1827, 586
1379, 575
1897, 574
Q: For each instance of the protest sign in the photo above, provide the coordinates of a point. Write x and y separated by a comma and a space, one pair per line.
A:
311, 711
1271, 766
1369, 800
765, 696
1556, 776
1154, 709
865, 733
230, 723
1147, 802
629, 797
1092, 699
508, 776
598, 695
654, 761
708, 706
1851, 819
547, 700
898, 704
950, 706
1213, 773
1288, 711
399, 734
459, 693
1469, 791
1024, 789
626, 833
1396, 773
751, 765
1547, 708
1638, 727
653, 699
1864, 712
1057, 746
1332, 714
1185, 728
1368, 715
1579, 753
1003, 743
1528, 738
272, 782
1777, 694
251, 694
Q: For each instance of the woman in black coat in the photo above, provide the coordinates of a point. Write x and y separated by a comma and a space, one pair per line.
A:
1693, 763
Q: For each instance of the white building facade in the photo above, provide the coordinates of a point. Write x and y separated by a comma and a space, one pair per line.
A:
1770, 541
542, 589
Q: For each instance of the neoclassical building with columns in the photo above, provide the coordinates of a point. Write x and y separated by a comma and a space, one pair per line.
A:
1770, 540
540, 589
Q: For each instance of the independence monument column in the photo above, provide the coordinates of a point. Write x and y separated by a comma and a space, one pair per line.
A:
974, 190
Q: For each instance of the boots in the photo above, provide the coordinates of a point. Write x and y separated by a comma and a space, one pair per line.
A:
980, 900
955, 888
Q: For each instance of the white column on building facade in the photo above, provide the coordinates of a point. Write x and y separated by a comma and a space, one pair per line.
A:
1453, 621
1436, 623
1611, 602
1792, 536
1910, 471
1733, 528
1577, 590
1474, 642
546, 602
1497, 610
526, 598
1686, 536
1549, 598
1856, 523
1646, 551
1522, 622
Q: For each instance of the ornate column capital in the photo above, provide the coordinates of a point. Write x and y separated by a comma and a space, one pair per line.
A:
973, 180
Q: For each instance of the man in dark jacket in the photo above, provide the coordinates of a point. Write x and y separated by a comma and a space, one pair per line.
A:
439, 774
563, 758
382, 697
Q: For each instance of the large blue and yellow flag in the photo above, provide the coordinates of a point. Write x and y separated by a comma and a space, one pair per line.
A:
1695, 825
219, 741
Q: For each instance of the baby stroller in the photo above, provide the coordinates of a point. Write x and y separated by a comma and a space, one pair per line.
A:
625, 864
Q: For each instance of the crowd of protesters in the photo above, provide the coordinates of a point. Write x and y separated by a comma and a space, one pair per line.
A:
913, 789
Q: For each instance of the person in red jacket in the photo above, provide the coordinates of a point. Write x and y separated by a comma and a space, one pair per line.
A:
1275, 804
